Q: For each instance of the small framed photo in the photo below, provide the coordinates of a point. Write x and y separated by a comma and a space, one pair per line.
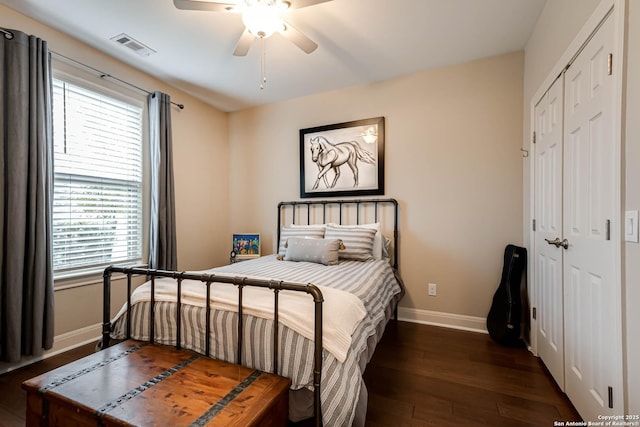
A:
246, 245
343, 159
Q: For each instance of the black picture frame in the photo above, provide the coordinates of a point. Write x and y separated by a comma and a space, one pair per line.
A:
347, 159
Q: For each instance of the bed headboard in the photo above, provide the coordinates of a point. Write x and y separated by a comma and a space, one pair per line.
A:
344, 212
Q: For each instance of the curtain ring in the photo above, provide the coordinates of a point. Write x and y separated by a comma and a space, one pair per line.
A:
525, 153
7, 34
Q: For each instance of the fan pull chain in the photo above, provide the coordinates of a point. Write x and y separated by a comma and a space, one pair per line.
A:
263, 64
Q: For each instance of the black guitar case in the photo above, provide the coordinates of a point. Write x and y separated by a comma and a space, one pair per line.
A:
505, 317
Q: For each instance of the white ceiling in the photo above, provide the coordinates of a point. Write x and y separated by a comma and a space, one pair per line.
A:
360, 42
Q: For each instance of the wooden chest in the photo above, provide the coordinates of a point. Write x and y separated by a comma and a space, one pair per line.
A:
135, 383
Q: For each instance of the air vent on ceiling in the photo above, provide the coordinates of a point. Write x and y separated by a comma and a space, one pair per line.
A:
133, 44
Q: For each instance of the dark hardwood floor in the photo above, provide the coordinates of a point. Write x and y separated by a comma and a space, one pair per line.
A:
428, 376
419, 376
13, 398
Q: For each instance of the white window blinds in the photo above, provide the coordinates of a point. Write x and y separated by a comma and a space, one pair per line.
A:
97, 203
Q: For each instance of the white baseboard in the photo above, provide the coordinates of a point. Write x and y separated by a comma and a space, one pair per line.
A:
446, 320
67, 341
61, 343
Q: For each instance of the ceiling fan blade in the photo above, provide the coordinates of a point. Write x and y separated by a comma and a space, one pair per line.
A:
298, 38
243, 45
203, 5
297, 4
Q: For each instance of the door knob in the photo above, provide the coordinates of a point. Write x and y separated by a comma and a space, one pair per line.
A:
558, 243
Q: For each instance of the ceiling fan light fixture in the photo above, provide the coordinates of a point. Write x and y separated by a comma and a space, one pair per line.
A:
262, 17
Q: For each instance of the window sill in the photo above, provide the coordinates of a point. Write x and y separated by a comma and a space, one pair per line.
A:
77, 279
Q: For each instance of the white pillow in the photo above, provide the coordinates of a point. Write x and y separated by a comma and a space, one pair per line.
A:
378, 239
306, 232
358, 241
385, 249
311, 226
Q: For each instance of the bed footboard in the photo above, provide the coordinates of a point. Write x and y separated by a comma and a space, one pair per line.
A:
209, 280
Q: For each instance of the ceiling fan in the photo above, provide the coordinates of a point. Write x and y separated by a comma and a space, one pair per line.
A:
261, 18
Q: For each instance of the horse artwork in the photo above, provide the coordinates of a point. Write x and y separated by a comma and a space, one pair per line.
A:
342, 159
330, 157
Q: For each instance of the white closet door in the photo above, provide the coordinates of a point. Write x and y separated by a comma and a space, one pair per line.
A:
548, 203
592, 350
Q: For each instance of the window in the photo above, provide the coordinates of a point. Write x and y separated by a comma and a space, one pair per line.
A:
97, 201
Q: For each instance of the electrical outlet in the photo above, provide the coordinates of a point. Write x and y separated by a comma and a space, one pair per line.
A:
433, 289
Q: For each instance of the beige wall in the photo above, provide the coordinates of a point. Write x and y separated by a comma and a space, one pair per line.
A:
201, 171
452, 160
558, 25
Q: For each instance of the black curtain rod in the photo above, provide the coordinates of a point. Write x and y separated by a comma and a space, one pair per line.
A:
103, 75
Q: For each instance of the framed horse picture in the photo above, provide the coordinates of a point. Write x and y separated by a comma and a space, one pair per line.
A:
343, 159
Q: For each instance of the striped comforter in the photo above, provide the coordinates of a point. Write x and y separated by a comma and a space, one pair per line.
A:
373, 282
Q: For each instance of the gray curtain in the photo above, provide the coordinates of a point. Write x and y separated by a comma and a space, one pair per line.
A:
162, 239
26, 164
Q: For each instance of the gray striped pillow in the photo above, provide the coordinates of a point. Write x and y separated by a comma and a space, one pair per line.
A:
308, 232
358, 242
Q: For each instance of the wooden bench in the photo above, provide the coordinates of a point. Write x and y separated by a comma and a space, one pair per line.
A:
137, 383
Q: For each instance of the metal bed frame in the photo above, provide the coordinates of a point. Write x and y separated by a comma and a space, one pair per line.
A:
343, 205
208, 280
